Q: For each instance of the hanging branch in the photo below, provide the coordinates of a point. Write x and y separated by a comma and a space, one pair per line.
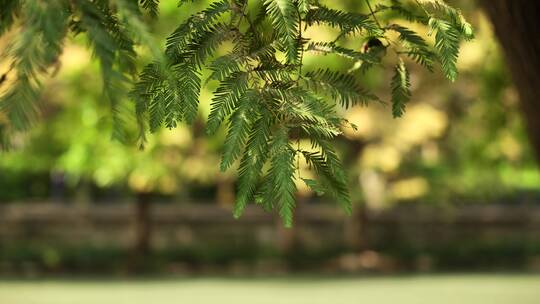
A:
265, 97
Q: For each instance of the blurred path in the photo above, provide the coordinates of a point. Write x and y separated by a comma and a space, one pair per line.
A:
429, 289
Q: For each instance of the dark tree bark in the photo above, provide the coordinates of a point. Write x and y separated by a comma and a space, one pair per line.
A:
143, 227
355, 228
517, 26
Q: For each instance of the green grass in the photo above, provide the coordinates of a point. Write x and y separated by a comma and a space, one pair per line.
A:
437, 289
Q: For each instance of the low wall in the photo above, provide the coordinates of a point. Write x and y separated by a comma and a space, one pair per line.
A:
453, 234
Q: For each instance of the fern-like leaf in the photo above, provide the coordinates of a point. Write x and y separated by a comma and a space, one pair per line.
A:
223, 66
152, 6
281, 173
347, 22
35, 50
416, 47
314, 185
8, 14
447, 44
197, 23
239, 127
343, 87
331, 174
226, 99
284, 18
401, 93
255, 155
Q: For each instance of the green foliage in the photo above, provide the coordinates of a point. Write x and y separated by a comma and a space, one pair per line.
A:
401, 92
331, 174
281, 176
253, 160
342, 87
263, 95
36, 49
415, 46
347, 22
239, 126
10, 10
284, 17
151, 6
447, 43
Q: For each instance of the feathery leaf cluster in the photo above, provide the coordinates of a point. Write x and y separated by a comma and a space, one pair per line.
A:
264, 97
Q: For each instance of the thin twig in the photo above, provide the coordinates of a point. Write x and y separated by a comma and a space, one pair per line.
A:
300, 41
373, 14
298, 158
423, 8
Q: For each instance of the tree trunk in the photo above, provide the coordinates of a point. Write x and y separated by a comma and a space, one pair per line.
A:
143, 225
355, 227
517, 26
225, 195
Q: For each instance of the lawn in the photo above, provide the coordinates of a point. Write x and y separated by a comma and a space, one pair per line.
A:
436, 289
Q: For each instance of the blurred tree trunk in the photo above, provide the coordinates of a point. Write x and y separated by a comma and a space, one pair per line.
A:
355, 227
225, 195
143, 225
517, 26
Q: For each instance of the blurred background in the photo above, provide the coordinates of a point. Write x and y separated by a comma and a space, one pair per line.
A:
453, 186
